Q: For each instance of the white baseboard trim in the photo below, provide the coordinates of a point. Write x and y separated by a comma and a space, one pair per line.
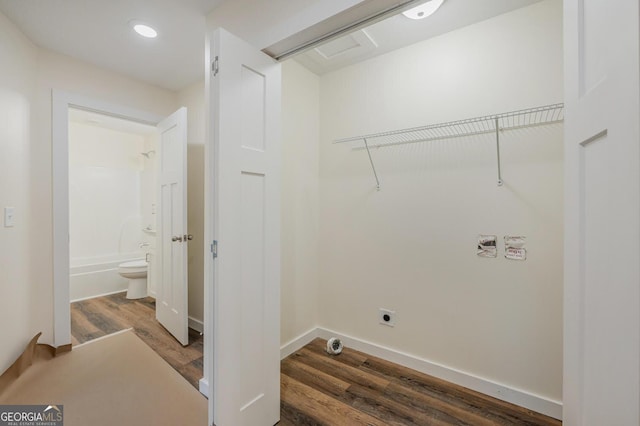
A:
196, 324
519, 397
203, 387
298, 342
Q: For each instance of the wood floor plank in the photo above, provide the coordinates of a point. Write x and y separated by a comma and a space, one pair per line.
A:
321, 407
394, 413
430, 406
81, 328
343, 372
501, 412
95, 314
313, 377
290, 414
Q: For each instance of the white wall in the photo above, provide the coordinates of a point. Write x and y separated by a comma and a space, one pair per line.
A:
19, 259
300, 175
411, 246
27, 77
105, 189
192, 97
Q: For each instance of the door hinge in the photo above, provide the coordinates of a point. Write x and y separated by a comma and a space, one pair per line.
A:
214, 248
214, 66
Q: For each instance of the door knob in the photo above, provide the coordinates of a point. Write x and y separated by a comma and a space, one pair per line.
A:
188, 237
178, 238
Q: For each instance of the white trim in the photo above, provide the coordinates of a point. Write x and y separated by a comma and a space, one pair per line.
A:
203, 387
101, 338
98, 295
196, 324
512, 395
61, 101
298, 342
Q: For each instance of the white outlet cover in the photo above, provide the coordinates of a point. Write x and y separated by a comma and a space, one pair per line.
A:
392, 317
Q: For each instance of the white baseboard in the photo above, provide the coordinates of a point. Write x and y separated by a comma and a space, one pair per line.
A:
196, 324
519, 397
298, 342
203, 387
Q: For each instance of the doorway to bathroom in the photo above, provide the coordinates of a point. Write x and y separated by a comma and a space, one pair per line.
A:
120, 198
112, 206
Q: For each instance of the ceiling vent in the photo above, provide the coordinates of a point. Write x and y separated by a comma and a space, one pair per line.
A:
353, 44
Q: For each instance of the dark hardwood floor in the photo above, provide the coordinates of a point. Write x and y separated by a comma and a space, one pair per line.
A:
350, 389
105, 315
354, 388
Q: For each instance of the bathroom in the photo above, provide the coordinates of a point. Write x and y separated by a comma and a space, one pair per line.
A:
112, 199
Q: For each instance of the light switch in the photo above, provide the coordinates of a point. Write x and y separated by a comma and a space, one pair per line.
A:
8, 216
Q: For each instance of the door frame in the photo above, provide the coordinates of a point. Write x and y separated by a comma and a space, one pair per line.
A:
61, 102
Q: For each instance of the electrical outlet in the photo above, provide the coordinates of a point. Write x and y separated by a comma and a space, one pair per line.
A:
387, 317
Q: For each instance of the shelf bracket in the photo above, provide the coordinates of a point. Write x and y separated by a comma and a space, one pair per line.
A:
366, 145
497, 121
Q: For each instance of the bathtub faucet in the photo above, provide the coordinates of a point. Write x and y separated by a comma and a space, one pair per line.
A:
141, 245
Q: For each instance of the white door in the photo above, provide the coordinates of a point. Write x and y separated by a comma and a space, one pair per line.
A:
245, 103
602, 214
172, 235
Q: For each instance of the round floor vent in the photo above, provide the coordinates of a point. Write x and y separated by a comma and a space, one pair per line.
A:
334, 346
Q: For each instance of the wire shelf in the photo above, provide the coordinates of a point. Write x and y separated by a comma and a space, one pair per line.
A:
544, 115
531, 117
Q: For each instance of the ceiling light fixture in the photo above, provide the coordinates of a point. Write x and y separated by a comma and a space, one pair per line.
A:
424, 10
144, 30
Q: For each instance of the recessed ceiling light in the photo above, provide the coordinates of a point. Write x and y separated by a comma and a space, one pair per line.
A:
144, 30
424, 10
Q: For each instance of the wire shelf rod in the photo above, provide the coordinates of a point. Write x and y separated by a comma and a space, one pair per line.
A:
513, 120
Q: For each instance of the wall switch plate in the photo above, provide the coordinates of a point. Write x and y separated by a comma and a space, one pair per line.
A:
9, 217
387, 317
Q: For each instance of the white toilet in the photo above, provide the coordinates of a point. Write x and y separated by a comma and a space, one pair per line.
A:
136, 273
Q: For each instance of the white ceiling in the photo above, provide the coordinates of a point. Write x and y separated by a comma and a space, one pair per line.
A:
98, 32
399, 31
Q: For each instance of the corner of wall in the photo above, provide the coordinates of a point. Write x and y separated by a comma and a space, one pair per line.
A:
300, 200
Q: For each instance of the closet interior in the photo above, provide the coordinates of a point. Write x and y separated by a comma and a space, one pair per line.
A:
432, 175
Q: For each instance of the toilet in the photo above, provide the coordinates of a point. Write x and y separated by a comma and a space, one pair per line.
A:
136, 273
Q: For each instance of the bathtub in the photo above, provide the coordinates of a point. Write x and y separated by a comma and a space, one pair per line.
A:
95, 277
